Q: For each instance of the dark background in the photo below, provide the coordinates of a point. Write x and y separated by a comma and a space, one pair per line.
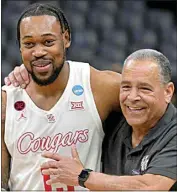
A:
104, 33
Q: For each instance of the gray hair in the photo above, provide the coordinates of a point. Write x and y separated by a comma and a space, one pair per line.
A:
159, 58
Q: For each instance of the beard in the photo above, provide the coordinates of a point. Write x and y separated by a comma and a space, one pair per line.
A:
50, 79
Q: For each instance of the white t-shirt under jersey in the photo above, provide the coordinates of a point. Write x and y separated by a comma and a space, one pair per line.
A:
30, 130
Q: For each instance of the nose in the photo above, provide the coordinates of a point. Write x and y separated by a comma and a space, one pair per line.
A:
133, 95
39, 51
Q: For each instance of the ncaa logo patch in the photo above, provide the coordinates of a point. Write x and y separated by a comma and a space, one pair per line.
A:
19, 105
78, 90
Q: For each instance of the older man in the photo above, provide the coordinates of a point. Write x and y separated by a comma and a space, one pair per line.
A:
141, 153
142, 150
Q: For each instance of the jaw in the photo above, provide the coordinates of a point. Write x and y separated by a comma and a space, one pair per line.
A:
135, 116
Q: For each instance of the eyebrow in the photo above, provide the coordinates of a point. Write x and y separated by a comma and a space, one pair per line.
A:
141, 83
125, 82
43, 35
145, 84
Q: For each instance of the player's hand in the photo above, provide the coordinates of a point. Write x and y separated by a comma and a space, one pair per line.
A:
63, 169
18, 77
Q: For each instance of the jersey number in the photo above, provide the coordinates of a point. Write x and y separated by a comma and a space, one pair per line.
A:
49, 187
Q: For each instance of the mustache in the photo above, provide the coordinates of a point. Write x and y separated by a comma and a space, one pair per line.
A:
41, 61
135, 106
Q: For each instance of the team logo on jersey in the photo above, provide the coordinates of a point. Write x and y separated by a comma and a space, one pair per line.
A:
51, 118
144, 163
19, 105
29, 142
78, 90
76, 105
22, 116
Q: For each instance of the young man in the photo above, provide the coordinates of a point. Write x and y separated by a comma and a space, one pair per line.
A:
141, 153
62, 105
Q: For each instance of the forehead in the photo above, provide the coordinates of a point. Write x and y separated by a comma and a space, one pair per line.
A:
39, 24
145, 69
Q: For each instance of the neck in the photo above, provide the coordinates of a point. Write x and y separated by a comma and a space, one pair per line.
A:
137, 136
54, 88
139, 132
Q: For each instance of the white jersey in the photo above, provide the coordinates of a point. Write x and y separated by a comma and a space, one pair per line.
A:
29, 131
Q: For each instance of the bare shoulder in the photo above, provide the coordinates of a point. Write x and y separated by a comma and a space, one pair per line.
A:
106, 83
112, 77
3, 106
108, 79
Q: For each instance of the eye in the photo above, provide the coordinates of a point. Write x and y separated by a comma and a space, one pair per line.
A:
145, 88
28, 44
125, 87
49, 42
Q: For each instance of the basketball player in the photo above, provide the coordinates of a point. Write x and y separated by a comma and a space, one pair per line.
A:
65, 103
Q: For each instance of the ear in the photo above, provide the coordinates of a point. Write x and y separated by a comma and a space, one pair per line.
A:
66, 39
169, 90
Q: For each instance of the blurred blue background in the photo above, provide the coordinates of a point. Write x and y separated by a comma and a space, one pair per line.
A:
104, 33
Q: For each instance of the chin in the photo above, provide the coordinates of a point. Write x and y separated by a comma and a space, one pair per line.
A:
46, 79
135, 122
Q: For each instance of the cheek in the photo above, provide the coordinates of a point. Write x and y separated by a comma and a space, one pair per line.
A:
151, 102
123, 96
26, 58
156, 98
57, 52
59, 47
26, 55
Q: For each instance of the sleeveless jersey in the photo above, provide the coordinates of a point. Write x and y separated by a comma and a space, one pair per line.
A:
29, 131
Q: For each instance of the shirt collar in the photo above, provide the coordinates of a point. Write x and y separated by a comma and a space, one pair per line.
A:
159, 128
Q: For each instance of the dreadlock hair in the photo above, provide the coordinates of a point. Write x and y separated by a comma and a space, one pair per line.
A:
38, 9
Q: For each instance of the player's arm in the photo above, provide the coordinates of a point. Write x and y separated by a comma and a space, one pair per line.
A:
113, 80
5, 164
99, 181
105, 87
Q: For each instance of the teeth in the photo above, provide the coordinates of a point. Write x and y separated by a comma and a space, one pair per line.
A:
41, 65
134, 108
